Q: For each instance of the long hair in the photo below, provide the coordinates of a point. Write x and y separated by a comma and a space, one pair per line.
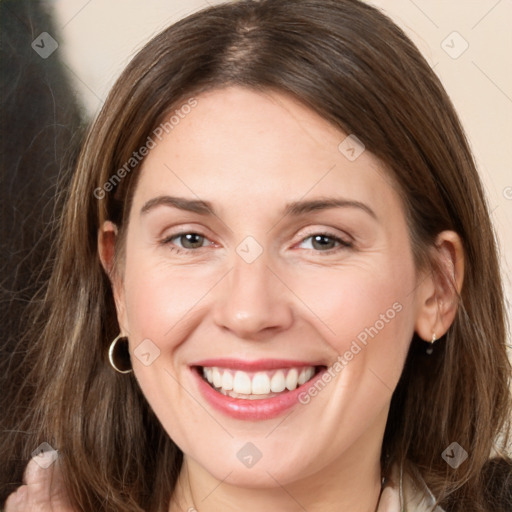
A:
355, 68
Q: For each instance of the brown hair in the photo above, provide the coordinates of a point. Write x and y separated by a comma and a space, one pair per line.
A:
357, 69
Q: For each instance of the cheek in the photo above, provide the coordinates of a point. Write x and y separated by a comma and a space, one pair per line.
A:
160, 295
161, 303
367, 315
359, 302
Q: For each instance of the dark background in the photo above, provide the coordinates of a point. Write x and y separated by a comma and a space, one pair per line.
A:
41, 127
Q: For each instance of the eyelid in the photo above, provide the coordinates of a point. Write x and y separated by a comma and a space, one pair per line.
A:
331, 232
183, 229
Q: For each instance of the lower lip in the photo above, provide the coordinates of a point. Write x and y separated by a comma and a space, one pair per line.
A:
258, 409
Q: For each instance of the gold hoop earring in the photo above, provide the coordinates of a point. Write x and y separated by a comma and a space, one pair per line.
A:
111, 350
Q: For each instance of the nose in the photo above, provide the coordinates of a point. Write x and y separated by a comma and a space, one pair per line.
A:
252, 301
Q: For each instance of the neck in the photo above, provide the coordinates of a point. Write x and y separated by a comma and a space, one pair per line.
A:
352, 482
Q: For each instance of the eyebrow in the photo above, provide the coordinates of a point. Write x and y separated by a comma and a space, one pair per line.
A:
293, 209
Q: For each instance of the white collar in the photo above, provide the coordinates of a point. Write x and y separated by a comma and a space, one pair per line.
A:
400, 494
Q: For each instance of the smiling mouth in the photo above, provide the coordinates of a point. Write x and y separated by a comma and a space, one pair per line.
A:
257, 385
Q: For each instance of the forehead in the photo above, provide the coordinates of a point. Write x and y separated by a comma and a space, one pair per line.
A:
240, 147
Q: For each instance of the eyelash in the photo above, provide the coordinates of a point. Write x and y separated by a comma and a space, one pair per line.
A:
343, 244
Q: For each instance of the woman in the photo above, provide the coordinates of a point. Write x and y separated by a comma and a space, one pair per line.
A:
276, 283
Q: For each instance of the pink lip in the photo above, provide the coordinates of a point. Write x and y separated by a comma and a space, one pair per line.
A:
251, 410
254, 366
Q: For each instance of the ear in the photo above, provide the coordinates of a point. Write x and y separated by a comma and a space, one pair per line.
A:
438, 291
107, 237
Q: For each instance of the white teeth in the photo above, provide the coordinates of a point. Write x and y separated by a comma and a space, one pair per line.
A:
227, 381
217, 378
277, 384
263, 384
241, 383
291, 379
260, 384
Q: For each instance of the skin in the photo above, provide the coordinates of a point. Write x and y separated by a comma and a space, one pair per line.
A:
250, 154
42, 490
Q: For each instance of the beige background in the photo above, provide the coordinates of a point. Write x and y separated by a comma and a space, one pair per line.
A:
98, 37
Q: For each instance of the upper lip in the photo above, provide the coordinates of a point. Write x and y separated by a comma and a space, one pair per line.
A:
255, 365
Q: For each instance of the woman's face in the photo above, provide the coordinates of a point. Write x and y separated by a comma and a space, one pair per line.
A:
240, 266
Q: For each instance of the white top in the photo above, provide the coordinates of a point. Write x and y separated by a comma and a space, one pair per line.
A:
400, 494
